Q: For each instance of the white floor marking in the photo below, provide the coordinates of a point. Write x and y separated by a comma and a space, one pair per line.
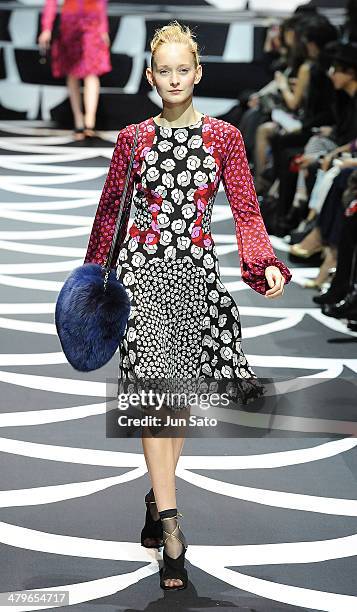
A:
31, 359
276, 591
92, 589
46, 218
50, 415
242, 555
42, 249
89, 456
276, 499
43, 234
51, 494
40, 268
69, 386
52, 205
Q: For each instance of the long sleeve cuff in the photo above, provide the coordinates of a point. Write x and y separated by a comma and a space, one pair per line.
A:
48, 15
253, 273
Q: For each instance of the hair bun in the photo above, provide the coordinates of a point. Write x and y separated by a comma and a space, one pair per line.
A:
174, 32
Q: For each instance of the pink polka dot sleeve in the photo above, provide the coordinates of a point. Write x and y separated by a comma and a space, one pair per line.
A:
105, 219
48, 14
254, 246
104, 23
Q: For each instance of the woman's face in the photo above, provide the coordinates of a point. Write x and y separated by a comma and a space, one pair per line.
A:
340, 78
174, 74
312, 50
289, 38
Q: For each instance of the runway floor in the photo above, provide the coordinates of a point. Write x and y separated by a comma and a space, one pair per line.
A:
269, 516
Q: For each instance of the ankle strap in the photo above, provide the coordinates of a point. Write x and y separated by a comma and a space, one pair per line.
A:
165, 518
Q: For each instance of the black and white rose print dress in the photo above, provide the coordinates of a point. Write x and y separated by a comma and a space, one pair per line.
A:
183, 321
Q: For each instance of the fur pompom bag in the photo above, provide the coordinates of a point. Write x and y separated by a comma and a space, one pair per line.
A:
93, 306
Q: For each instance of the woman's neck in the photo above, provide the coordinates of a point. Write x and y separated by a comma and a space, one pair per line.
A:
173, 117
351, 88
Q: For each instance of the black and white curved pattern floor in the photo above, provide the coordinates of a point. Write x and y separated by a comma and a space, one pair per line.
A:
270, 520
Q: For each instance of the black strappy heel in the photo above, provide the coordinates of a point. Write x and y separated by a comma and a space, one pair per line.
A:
152, 529
174, 568
79, 132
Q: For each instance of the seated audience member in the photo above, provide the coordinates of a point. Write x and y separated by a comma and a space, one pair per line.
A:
287, 90
340, 301
316, 111
331, 140
325, 236
349, 28
290, 57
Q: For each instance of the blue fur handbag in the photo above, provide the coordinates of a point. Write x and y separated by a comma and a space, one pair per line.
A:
93, 306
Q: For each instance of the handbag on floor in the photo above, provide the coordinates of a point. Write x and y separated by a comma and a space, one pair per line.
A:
93, 306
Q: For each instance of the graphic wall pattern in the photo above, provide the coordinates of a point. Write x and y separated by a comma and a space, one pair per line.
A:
231, 43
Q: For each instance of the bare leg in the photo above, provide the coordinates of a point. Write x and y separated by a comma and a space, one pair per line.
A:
162, 455
301, 192
73, 85
311, 214
160, 460
91, 97
264, 131
330, 261
177, 445
312, 243
312, 240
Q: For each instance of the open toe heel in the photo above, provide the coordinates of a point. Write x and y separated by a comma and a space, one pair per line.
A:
173, 568
152, 530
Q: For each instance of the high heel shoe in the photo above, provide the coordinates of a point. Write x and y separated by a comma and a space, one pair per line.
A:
292, 219
89, 128
174, 567
313, 284
79, 134
333, 295
298, 251
327, 269
345, 308
152, 530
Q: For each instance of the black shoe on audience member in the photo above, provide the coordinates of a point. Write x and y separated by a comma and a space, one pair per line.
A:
352, 325
268, 209
268, 174
297, 236
344, 309
333, 295
291, 221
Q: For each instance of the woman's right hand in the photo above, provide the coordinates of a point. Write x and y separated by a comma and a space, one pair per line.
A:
105, 37
44, 38
326, 161
304, 160
253, 101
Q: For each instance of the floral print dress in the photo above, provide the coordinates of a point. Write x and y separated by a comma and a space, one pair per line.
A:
79, 49
183, 323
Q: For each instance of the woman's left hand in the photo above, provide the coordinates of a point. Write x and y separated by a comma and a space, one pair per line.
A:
281, 80
304, 160
349, 162
105, 37
276, 282
326, 161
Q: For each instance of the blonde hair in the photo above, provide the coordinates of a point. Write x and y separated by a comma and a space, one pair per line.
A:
174, 32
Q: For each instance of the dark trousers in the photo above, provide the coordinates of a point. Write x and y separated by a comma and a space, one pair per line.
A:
284, 148
331, 215
345, 277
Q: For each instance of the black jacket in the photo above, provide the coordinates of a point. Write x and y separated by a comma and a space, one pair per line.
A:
318, 107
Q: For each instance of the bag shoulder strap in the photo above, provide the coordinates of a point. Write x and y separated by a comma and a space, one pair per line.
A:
108, 263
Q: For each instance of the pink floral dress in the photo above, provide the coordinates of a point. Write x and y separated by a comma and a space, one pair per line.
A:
79, 50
